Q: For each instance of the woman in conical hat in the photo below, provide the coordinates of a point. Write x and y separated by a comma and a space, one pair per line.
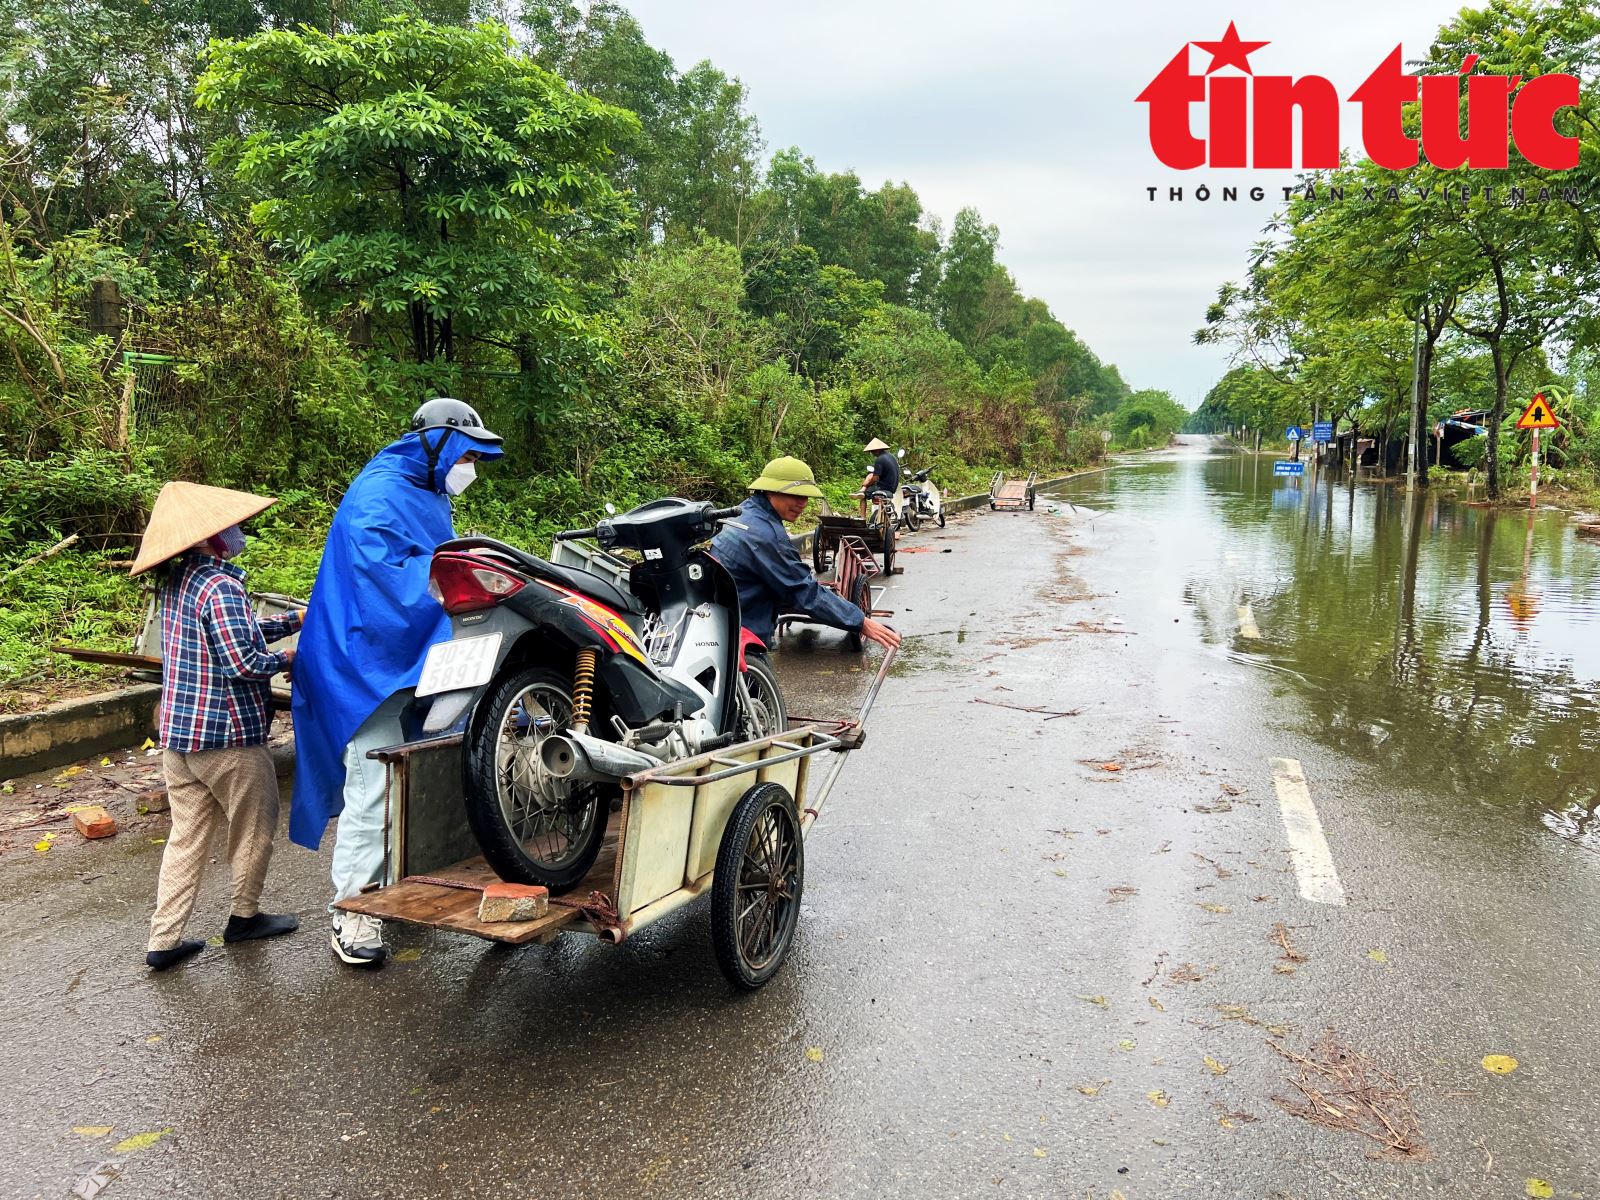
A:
215, 714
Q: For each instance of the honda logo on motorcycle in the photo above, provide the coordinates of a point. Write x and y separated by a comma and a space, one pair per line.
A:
1249, 118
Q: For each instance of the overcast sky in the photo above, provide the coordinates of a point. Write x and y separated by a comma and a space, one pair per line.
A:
1025, 109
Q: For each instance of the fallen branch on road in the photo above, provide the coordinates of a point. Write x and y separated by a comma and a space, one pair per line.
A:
1037, 709
1280, 938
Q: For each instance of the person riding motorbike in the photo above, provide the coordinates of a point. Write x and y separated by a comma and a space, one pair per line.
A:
883, 479
772, 579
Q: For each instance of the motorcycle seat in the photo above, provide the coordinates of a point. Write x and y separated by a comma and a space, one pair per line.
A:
584, 582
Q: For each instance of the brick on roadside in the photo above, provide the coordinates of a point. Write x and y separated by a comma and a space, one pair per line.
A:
94, 822
513, 902
154, 801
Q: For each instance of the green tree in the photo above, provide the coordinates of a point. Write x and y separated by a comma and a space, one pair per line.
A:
427, 176
693, 163
812, 308
878, 235
1147, 419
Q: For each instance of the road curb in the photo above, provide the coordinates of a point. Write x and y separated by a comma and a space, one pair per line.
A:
802, 541
74, 729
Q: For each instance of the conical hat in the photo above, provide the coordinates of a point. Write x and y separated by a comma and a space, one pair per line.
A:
875, 445
187, 514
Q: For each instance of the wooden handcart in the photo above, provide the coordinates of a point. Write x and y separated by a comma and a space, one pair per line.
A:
1012, 495
877, 535
731, 822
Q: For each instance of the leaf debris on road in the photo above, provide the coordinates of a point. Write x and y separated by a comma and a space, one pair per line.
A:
1346, 1090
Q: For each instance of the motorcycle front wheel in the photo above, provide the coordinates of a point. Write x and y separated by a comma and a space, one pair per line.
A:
762, 711
531, 827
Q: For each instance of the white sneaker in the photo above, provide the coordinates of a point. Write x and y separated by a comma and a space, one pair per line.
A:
358, 939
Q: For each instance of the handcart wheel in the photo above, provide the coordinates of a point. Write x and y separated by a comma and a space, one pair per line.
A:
820, 558
755, 893
1030, 499
861, 597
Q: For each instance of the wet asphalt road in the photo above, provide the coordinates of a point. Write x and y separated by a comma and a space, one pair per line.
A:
1006, 981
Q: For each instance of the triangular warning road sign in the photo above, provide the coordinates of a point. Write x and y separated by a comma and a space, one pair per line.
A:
1538, 415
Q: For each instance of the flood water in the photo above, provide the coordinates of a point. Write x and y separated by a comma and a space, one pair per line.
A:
1454, 648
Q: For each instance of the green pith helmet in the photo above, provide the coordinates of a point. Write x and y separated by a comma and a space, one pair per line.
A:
789, 476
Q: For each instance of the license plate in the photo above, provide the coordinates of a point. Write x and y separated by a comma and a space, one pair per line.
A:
463, 663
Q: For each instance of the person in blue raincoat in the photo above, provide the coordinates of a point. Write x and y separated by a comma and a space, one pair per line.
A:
368, 627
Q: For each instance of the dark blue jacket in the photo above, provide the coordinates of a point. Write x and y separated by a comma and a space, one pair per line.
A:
771, 577
887, 468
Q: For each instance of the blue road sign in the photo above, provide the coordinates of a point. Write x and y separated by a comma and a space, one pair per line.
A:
1294, 433
1288, 468
1322, 431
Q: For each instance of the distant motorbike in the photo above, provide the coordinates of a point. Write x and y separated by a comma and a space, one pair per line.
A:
924, 498
906, 514
573, 682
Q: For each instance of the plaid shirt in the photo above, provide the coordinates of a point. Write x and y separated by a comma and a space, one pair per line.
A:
214, 656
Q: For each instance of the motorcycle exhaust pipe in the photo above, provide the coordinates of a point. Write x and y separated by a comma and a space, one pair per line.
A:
580, 758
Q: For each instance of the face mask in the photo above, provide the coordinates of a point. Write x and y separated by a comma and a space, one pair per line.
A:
231, 540
458, 477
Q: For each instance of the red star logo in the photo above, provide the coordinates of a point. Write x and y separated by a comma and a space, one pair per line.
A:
1230, 51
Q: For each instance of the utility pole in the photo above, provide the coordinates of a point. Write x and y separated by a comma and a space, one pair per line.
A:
1416, 377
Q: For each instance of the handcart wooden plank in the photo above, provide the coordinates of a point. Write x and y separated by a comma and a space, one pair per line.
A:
448, 899
853, 569
146, 656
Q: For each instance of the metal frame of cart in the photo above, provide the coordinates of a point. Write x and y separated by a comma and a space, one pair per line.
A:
853, 570
1012, 495
685, 829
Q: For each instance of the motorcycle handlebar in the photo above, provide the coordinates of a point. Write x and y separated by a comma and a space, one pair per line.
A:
567, 535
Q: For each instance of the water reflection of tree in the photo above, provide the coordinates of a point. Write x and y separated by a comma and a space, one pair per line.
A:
1387, 615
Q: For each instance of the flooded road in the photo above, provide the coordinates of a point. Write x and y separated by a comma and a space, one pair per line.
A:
1452, 648
1174, 785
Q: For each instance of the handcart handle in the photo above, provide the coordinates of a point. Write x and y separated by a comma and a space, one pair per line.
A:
814, 810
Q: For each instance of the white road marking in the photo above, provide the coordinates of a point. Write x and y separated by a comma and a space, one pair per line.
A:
1247, 623
1308, 848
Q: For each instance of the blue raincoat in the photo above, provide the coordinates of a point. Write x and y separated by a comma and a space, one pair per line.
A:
370, 620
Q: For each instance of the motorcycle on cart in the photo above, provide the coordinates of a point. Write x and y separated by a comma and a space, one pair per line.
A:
621, 739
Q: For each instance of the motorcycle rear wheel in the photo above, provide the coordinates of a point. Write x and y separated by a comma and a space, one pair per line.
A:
531, 828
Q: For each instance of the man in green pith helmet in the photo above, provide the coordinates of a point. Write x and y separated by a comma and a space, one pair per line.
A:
772, 579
